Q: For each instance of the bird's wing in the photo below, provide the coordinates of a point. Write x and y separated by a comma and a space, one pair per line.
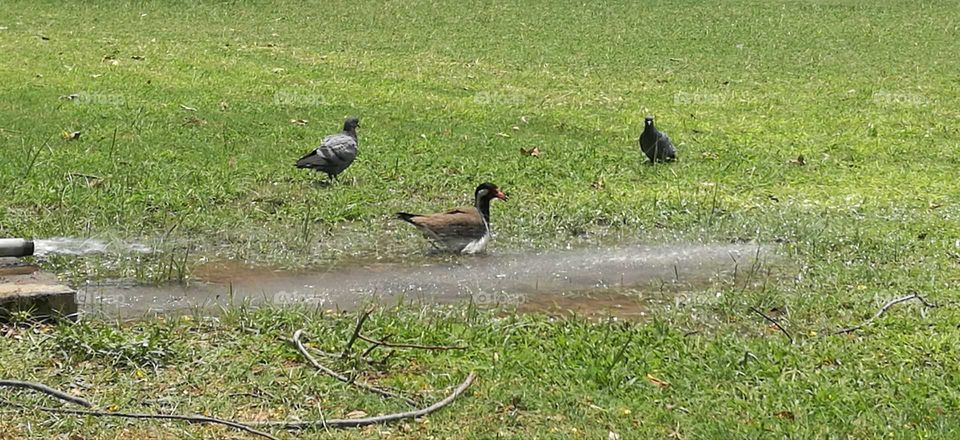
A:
336, 152
343, 146
460, 223
663, 141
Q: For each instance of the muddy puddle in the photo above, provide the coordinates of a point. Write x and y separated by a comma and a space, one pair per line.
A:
585, 281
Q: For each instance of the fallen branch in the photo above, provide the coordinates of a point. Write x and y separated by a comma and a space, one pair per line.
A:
374, 346
386, 418
303, 351
356, 332
194, 419
402, 345
46, 390
774, 322
884, 309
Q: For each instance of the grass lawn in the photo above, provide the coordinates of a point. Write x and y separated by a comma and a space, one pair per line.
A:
828, 129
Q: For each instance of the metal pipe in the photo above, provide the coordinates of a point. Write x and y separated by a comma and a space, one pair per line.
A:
15, 247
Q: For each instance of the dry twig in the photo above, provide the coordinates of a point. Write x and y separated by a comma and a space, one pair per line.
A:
402, 345
195, 419
373, 346
774, 322
342, 378
352, 423
356, 332
884, 309
46, 390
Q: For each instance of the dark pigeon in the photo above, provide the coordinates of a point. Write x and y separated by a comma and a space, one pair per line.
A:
335, 153
656, 144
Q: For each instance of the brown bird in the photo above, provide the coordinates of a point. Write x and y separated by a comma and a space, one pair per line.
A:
462, 230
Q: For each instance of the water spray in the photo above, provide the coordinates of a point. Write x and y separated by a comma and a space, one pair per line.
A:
16, 247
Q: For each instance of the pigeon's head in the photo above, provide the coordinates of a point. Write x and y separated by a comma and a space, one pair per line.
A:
648, 121
487, 191
351, 123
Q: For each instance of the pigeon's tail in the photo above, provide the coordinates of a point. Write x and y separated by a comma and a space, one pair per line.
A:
407, 217
307, 161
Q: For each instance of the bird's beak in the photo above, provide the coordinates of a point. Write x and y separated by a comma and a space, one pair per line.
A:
501, 195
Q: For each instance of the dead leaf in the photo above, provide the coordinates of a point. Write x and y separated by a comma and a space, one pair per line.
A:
189, 109
71, 135
535, 151
516, 128
358, 414
502, 134
298, 121
224, 105
656, 381
785, 415
599, 183
90, 180
70, 97
524, 120
799, 161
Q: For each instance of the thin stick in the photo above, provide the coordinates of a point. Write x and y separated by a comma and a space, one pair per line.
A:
342, 378
774, 322
33, 159
46, 390
356, 332
402, 345
884, 309
195, 419
373, 346
113, 144
352, 423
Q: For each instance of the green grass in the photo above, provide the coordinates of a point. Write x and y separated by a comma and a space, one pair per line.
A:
447, 94
539, 378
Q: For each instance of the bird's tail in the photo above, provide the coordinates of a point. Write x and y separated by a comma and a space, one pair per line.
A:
406, 216
305, 161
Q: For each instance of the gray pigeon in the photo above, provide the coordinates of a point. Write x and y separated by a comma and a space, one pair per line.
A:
335, 153
656, 144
